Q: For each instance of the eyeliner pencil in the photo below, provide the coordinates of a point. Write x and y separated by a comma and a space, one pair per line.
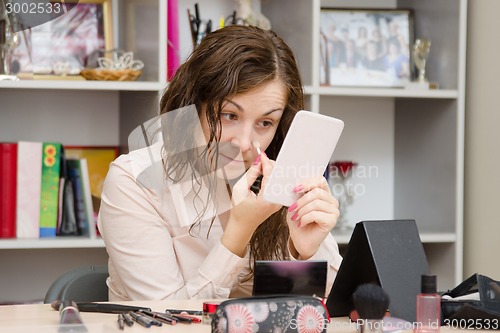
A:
142, 320
162, 317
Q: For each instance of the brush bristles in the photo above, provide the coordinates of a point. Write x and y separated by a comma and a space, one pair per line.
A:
371, 301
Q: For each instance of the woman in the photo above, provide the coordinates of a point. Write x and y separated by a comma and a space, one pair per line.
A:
193, 227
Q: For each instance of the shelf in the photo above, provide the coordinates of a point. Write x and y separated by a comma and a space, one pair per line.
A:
51, 243
84, 85
381, 92
343, 237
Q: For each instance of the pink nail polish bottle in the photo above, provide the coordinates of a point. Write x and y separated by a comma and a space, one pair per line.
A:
428, 306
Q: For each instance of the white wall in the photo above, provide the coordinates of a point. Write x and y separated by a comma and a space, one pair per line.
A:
482, 139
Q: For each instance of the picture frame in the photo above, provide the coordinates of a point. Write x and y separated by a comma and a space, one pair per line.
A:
98, 160
366, 47
62, 46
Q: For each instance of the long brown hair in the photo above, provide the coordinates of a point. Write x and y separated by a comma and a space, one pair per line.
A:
231, 61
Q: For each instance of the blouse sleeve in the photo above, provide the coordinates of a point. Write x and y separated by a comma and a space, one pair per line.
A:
142, 261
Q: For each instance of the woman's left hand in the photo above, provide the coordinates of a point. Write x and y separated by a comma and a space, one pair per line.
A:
312, 217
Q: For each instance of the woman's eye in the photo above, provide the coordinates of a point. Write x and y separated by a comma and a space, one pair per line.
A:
266, 123
229, 116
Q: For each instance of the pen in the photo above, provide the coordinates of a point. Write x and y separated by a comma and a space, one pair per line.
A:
193, 27
208, 28
201, 32
198, 18
164, 318
189, 312
234, 18
121, 321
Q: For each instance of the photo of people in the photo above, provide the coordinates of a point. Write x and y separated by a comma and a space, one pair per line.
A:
366, 48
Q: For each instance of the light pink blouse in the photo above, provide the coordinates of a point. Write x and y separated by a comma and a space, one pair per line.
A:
145, 220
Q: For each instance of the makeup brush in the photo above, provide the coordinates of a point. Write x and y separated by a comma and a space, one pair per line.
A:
371, 303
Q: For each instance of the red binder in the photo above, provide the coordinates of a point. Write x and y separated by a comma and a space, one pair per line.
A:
8, 172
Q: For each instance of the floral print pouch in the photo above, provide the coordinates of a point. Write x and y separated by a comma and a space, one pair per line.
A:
273, 314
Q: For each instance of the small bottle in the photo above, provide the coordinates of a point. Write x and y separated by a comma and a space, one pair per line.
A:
208, 313
428, 306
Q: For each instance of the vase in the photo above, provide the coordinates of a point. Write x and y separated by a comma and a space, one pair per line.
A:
340, 180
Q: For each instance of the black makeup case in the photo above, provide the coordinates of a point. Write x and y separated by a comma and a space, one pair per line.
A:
477, 306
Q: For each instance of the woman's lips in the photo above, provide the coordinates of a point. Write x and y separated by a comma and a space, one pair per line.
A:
231, 159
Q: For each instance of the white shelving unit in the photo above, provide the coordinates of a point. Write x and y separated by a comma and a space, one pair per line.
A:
412, 138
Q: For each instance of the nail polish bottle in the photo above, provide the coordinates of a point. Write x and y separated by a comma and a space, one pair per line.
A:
428, 306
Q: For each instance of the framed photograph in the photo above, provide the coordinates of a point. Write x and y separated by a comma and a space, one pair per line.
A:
98, 160
63, 45
365, 47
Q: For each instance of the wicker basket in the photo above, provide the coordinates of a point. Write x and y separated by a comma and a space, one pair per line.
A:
110, 75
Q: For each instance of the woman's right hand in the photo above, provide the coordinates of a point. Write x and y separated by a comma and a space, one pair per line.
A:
248, 209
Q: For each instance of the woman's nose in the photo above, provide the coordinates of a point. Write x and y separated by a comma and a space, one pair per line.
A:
243, 141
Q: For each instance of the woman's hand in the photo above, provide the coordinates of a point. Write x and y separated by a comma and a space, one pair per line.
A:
248, 209
312, 217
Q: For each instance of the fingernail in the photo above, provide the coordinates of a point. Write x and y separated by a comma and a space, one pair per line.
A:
292, 207
264, 153
298, 188
257, 160
294, 217
298, 224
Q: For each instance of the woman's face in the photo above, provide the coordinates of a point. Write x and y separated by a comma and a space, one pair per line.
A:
252, 117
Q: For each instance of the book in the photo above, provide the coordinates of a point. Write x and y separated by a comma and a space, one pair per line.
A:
8, 189
67, 224
49, 195
74, 176
29, 178
79, 176
98, 160
87, 195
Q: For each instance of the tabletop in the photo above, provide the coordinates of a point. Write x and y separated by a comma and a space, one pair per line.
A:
42, 318
27, 317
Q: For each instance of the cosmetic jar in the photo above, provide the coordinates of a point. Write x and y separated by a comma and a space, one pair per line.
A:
208, 312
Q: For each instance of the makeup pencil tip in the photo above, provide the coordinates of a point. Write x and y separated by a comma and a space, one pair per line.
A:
256, 145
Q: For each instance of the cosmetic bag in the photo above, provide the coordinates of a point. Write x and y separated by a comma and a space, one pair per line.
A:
280, 313
473, 304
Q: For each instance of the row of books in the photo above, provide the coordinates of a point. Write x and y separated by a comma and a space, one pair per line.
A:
42, 193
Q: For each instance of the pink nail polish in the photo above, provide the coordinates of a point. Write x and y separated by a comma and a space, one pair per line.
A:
298, 224
298, 188
295, 216
292, 207
257, 160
